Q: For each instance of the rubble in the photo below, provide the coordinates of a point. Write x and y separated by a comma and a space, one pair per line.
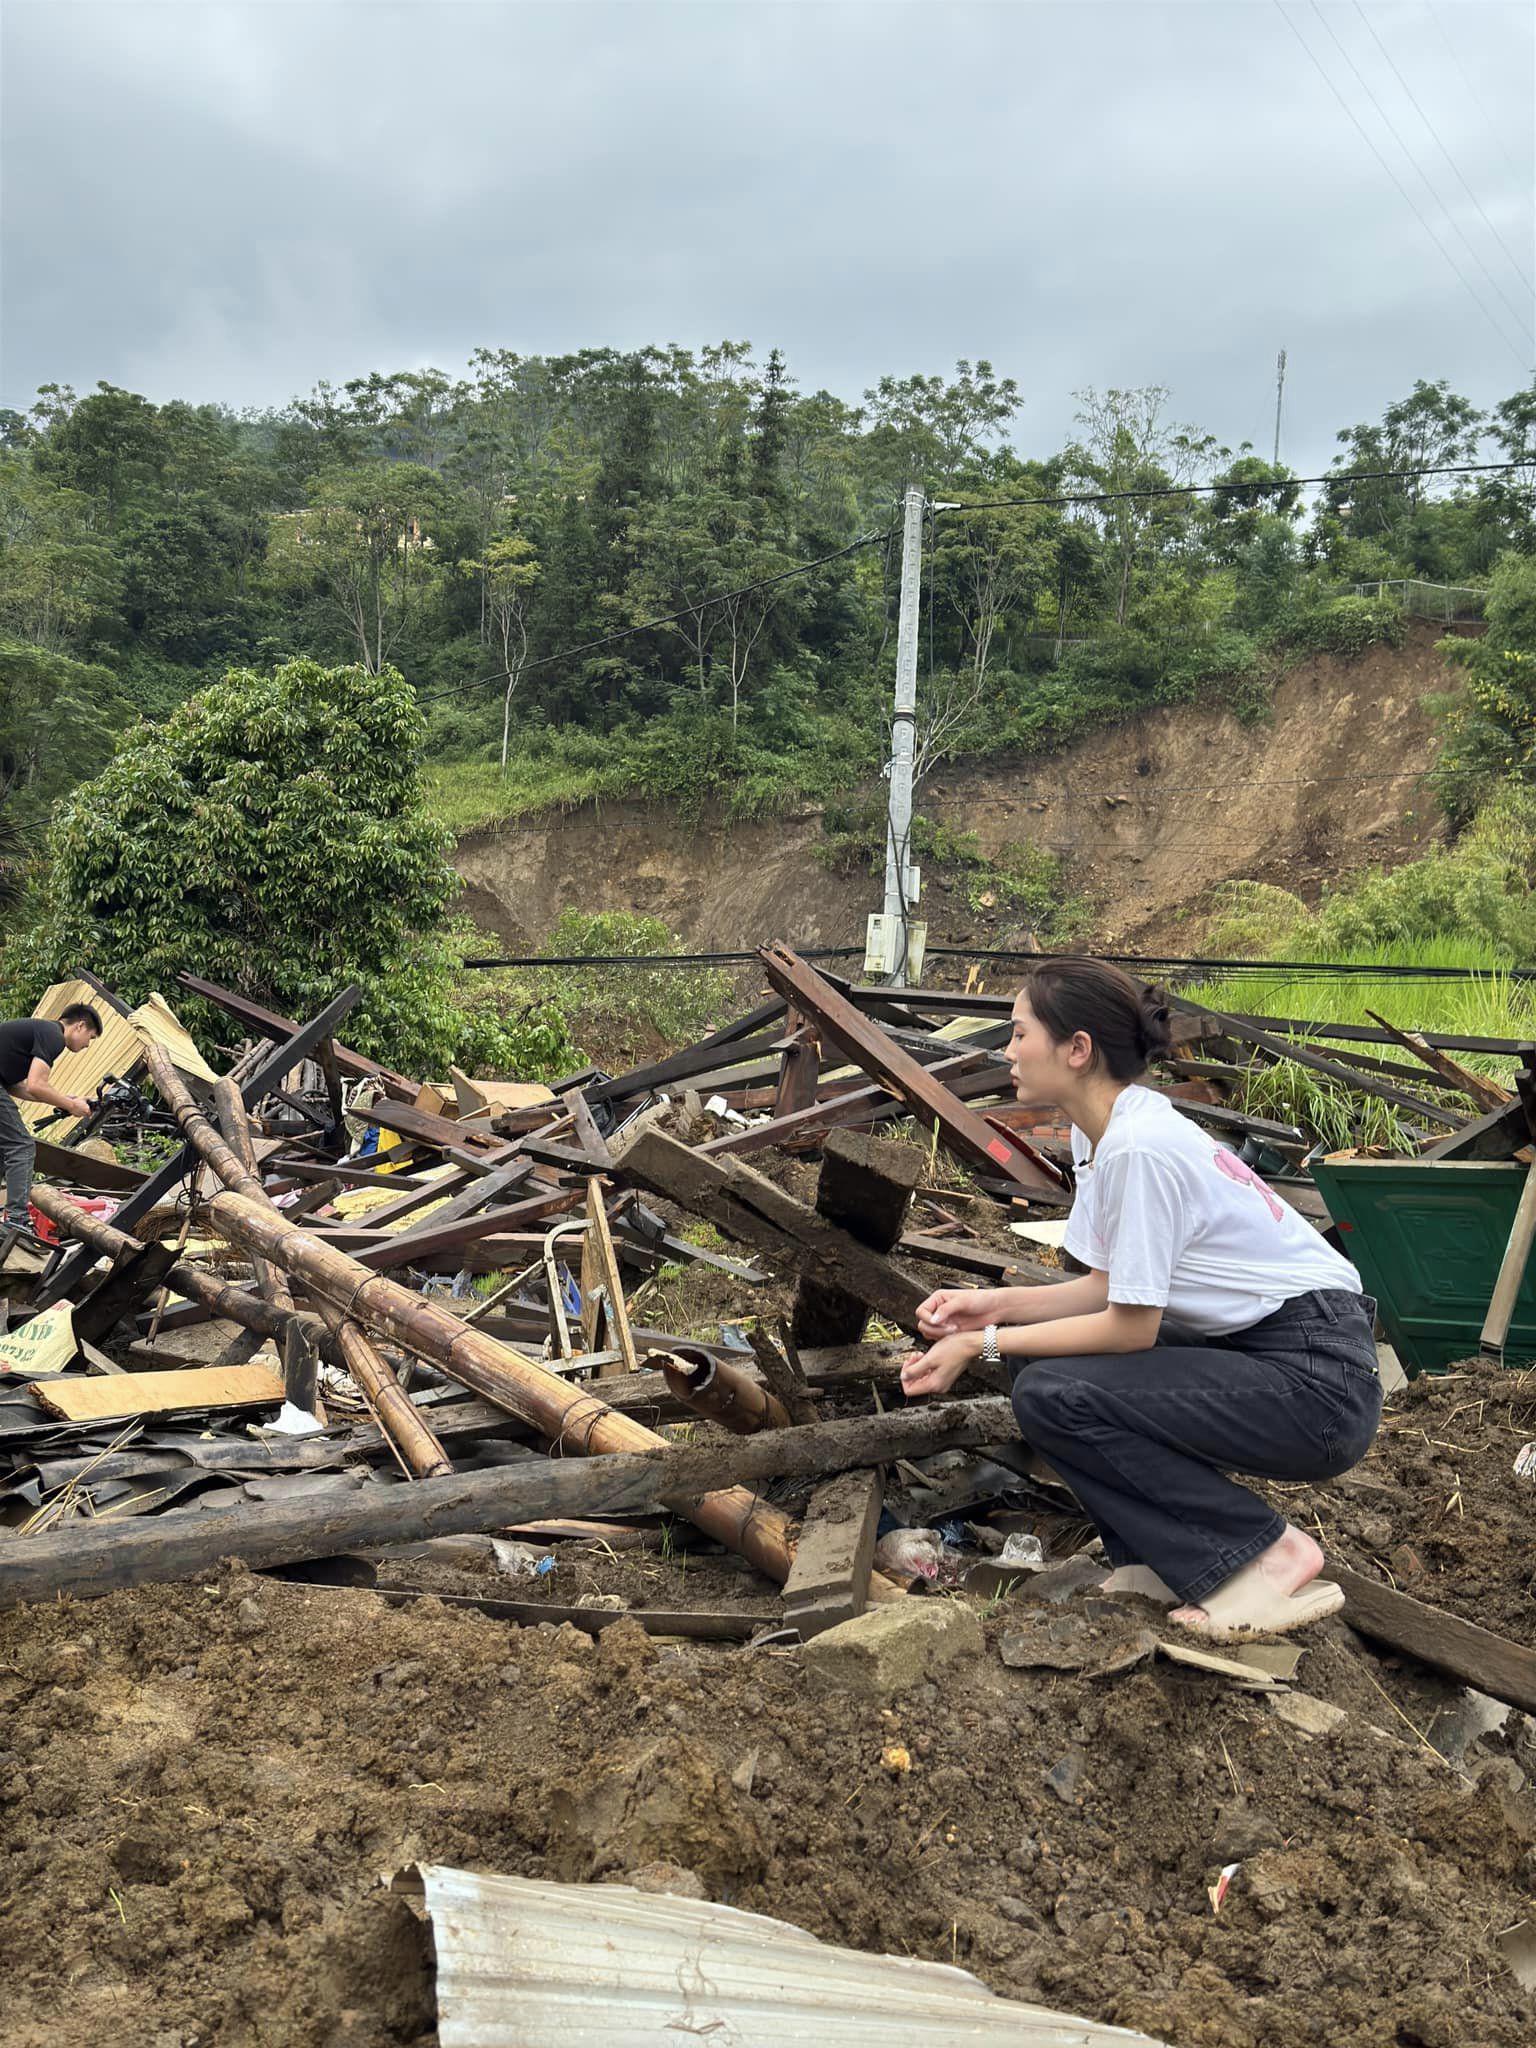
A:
692, 1660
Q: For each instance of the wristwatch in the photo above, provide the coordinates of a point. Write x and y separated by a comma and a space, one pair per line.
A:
991, 1351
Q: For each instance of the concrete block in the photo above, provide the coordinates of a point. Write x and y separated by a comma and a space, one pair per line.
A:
893, 1647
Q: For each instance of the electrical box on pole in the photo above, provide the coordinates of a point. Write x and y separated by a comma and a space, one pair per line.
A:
891, 931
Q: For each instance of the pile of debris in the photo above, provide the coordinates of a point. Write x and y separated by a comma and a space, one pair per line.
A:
371, 1333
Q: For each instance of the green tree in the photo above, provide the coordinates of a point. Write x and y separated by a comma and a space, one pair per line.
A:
272, 835
1431, 427
108, 447
366, 543
1490, 729
508, 571
1130, 446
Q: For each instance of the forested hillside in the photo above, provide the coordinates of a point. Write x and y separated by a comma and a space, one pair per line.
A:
480, 534
254, 669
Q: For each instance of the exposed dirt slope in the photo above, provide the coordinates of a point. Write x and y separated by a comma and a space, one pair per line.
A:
1148, 817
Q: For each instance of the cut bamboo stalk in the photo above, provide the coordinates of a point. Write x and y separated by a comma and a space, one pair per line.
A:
719, 1392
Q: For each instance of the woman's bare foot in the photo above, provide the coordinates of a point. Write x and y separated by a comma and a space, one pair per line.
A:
1291, 1562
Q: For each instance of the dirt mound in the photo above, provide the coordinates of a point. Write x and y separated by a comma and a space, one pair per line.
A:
1148, 818
204, 1784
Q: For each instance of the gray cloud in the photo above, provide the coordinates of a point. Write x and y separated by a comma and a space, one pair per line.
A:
230, 201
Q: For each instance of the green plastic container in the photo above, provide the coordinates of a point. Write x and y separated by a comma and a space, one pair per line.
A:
1428, 1236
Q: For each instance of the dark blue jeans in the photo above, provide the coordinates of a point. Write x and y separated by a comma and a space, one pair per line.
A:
1145, 1439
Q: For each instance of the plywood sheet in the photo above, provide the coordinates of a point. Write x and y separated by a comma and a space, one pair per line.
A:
160, 1393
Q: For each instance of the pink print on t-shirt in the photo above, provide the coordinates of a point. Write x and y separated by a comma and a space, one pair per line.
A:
1233, 1167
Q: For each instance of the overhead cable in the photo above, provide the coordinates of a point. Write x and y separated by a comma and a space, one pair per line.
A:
1408, 198
1514, 261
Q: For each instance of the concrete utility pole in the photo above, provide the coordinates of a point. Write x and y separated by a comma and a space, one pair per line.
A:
898, 880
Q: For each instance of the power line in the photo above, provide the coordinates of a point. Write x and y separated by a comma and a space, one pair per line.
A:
689, 611
1391, 128
1370, 141
1259, 489
1206, 968
1473, 95
1514, 261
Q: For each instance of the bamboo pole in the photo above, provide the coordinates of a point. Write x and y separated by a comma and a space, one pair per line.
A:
220, 1297
569, 1418
718, 1391
418, 1448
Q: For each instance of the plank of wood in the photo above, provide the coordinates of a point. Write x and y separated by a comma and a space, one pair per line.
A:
748, 1207
81, 1170
880, 1056
1517, 1256
431, 1238
1485, 1094
746, 1039
268, 1024
604, 1316
1503, 1669
160, 1393
829, 1579
853, 1104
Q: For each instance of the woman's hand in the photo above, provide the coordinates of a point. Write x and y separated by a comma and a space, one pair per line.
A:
935, 1371
951, 1309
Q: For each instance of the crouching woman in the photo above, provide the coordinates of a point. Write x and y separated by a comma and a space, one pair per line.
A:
1213, 1332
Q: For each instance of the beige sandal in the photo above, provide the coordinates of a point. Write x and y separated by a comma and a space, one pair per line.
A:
1138, 1581
1250, 1604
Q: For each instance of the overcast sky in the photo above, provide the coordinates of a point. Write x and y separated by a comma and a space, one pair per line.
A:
228, 202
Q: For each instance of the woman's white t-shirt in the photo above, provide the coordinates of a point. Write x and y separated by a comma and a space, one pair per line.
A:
1178, 1222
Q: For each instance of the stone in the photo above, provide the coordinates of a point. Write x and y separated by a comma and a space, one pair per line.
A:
665, 1877
1064, 1776
1311, 1716
1022, 1914
1242, 1831
889, 1649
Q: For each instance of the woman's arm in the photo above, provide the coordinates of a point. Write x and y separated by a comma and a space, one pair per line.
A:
952, 1309
1117, 1327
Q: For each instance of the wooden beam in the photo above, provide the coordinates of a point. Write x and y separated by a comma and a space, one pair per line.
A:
1491, 1663
1517, 1256
878, 1054
88, 1559
748, 1207
1482, 1092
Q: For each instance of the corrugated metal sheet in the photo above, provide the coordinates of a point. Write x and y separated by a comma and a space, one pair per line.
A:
119, 1050
523, 1964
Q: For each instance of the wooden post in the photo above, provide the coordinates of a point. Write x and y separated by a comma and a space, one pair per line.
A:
865, 1187
604, 1314
87, 1558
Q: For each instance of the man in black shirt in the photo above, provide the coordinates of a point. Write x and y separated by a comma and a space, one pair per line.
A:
28, 1048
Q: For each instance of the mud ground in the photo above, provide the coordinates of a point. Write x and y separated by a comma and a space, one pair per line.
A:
202, 1786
